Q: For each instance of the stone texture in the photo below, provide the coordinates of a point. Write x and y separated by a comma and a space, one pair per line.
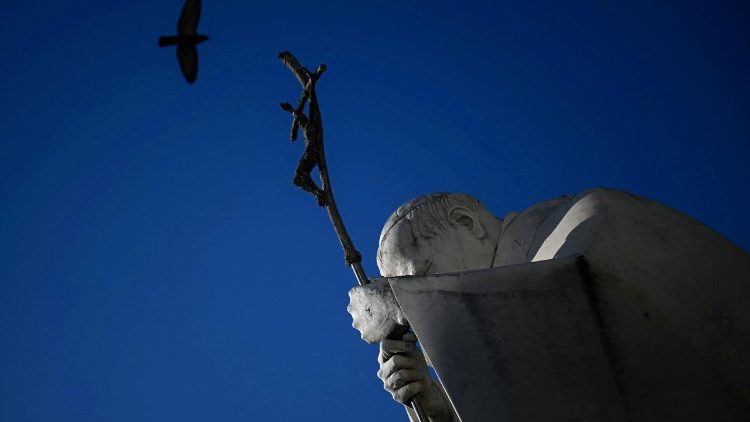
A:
375, 312
603, 306
516, 343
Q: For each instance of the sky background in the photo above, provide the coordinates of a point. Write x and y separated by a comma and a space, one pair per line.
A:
156, 263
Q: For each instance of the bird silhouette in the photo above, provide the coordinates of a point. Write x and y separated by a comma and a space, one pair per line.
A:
187, 39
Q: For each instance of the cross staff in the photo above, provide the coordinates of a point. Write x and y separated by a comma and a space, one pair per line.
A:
314, 155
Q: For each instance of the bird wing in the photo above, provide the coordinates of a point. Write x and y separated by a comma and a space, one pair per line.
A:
191, 13
187, 55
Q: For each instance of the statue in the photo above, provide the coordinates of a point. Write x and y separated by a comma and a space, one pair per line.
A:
602, 306
598, 306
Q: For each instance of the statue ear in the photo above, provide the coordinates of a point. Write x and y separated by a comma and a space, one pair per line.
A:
464, 217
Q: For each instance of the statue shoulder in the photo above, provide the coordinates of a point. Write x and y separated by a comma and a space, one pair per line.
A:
603, 195
526, 232
519, 229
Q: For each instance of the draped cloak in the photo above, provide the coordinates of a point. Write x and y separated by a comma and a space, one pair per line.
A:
603, 306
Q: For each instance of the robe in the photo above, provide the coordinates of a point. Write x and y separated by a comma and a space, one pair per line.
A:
600, 306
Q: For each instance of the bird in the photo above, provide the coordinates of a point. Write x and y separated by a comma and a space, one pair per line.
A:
187, 39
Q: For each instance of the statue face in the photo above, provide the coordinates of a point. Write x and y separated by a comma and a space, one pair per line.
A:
457, 249
402, 254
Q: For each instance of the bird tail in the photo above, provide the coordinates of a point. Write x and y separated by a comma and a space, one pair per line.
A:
165, 41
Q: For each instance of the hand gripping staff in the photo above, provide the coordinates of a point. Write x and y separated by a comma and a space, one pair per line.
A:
314, 155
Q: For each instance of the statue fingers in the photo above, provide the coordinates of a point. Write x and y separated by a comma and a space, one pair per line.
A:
403, 377
395, 364
405, 393
409, 337
389, 348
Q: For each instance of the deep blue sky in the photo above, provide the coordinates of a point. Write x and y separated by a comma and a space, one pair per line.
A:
156, 262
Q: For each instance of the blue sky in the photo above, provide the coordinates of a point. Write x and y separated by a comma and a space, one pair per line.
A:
156, 262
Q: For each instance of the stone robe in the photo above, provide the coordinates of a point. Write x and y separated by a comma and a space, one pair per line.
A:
601, 306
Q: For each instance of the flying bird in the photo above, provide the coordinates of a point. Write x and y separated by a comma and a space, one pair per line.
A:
187, 39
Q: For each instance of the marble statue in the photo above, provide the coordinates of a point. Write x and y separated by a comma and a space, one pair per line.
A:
597, 306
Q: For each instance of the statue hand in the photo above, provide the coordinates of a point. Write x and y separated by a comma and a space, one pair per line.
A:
403, 370
374, 310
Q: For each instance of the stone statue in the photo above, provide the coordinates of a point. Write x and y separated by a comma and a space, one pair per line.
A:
598, 306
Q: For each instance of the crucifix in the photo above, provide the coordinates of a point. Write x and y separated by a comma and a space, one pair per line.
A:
314, 156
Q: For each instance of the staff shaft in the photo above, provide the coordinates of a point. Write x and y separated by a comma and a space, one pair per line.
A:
312, 127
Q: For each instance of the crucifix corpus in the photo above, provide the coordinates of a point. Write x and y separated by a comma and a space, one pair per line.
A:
314, 155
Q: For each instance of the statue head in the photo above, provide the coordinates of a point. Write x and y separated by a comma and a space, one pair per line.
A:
438, 233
